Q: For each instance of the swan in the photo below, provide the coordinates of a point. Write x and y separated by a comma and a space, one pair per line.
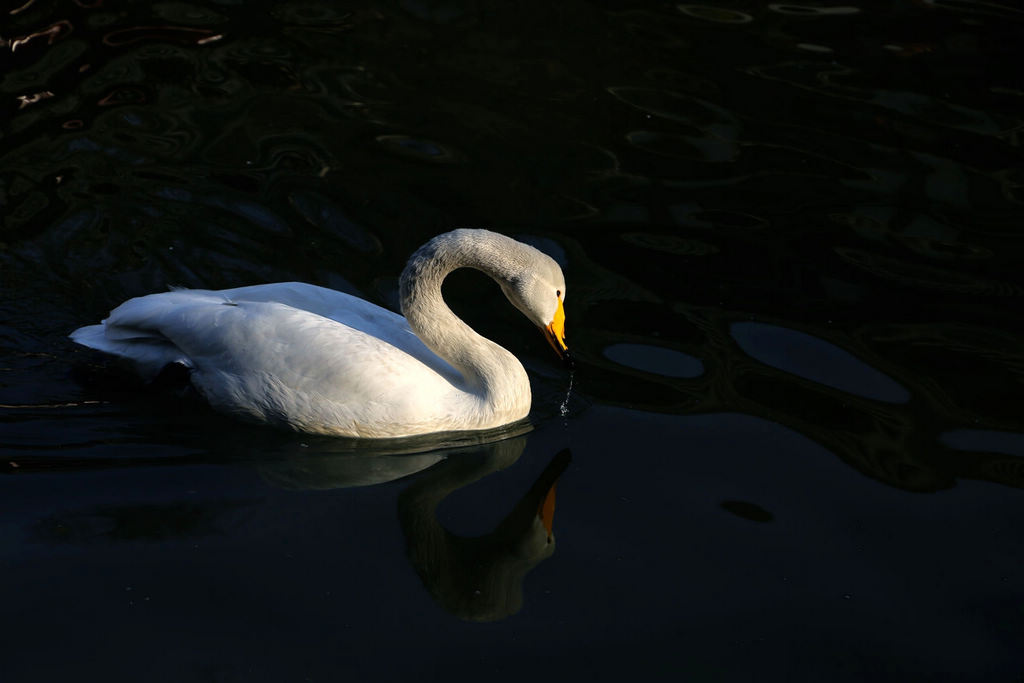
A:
320, 361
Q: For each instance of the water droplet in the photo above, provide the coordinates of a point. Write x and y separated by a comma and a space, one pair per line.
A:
564, 408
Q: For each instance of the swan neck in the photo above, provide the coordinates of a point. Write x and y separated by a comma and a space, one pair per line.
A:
486, 367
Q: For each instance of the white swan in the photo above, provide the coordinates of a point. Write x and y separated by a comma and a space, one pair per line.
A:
324, 362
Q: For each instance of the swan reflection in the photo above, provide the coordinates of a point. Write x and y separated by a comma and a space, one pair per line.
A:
479, 578
474, 578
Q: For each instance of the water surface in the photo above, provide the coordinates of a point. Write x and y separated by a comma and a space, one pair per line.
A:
792, 241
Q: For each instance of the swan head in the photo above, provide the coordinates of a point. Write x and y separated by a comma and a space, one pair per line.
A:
530, 279
538, 292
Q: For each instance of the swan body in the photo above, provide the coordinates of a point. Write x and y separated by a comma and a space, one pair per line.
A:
325, 362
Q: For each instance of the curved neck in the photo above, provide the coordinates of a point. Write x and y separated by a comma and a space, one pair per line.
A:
487, 369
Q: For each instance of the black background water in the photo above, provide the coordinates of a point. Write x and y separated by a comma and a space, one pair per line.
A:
792, 236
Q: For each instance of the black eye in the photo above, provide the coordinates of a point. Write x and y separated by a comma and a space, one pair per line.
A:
558, 293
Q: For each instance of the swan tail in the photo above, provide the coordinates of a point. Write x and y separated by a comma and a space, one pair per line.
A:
125, 334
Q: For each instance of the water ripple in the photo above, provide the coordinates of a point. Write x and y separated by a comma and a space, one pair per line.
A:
253, 213
654, 359
704, 149
670, 244
675, 106
983, 7
419, 149
828, 79
929, 277
719, 15
45, 69
185, 13
323, 213
171, 34
812, 10
813, 358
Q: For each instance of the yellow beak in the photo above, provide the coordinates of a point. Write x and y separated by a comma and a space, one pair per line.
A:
555, 332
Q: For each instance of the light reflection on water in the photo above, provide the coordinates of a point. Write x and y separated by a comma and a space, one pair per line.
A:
810, 357
790, 236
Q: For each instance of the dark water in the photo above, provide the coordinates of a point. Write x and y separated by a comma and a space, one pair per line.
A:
793, 238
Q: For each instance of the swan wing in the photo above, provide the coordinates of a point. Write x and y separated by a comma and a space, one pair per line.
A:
135, 331
320, 361
348, 310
